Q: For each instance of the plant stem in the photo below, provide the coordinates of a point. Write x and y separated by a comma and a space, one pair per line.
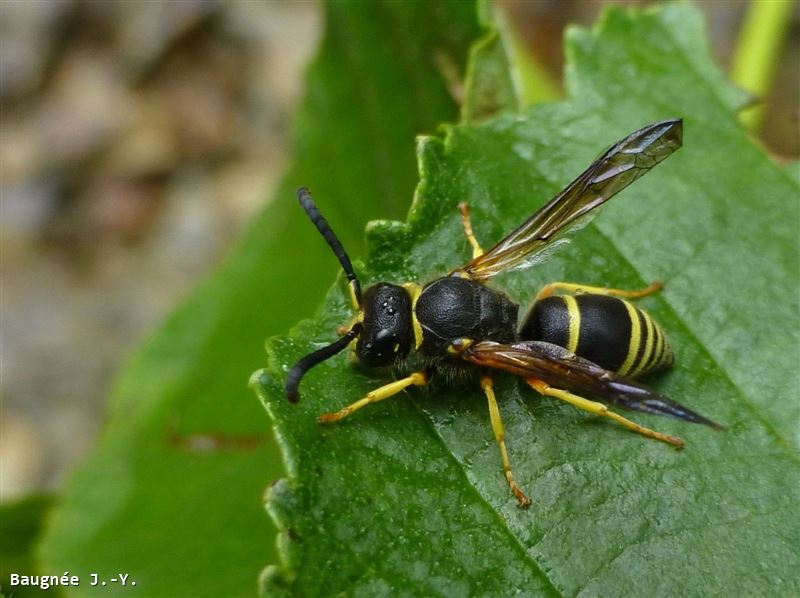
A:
757, 50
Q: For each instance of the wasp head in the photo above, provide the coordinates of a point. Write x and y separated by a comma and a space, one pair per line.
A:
386, 327
383, 326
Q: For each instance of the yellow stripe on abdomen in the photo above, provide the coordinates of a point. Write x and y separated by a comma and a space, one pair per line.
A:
658, 348
648, 344
635, 340
574, 322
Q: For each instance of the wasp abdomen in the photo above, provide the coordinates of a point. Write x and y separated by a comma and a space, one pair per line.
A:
608, 331
453, 308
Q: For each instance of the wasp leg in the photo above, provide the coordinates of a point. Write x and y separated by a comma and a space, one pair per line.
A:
379, 394
600, 409
353, 292
477, 250
577, 289
499, 436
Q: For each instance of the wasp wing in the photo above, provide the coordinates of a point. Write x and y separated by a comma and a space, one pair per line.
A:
560, 368
617, 168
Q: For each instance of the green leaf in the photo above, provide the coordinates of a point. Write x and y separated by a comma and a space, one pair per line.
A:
173, 494
408, 495
501, 74
20, 524
490, 86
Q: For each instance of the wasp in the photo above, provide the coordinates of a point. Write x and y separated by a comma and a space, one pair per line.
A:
573, 340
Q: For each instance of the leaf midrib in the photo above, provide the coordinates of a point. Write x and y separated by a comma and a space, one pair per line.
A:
503, 523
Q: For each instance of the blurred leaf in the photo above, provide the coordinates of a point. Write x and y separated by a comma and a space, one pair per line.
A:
534, 82
490, 84
20, 524
173, 493
502, 74
793, 169
409, 496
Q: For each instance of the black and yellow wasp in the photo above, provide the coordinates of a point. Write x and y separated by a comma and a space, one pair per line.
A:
574, 339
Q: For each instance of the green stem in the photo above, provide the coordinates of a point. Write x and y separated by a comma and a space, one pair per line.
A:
757, 50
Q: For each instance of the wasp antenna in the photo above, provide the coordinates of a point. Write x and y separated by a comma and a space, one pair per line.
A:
304, 197
309, 361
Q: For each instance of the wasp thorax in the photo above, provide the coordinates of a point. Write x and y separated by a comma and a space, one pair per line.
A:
387, 330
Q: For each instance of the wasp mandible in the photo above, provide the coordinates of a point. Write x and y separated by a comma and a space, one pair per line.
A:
574, 340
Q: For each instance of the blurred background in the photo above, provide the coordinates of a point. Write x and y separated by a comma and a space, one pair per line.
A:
136, 141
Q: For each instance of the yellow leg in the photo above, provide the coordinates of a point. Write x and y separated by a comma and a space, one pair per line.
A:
351, 290
477, 251
379, 394
602, 410
577, 289
499, 436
